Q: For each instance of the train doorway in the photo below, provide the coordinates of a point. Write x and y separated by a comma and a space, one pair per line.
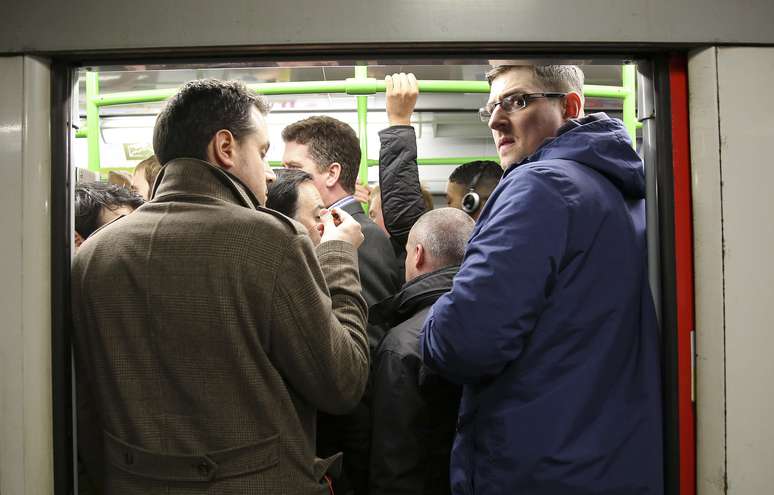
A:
103, 113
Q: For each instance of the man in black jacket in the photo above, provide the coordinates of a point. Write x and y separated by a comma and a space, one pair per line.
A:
414, 411
401, 197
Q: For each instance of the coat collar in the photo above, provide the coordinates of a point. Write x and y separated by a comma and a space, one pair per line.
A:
353, 208
419, 293
189, 176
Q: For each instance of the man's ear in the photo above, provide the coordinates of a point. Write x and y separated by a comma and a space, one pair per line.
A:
78, 239
222, 149
334, 172
573, 106
421, 258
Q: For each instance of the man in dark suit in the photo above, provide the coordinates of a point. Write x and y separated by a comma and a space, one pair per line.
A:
329, 151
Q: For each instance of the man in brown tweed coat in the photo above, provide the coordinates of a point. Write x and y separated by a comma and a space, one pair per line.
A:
208, 330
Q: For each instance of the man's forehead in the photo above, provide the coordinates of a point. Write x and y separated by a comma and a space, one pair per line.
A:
261, 128
517, 79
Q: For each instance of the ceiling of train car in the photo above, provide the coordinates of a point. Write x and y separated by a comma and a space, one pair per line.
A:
447, 124
139, 78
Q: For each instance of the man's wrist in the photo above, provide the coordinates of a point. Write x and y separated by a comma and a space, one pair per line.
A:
400, 121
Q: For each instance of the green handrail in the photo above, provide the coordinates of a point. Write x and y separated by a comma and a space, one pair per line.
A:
629, 79
456, 160
359, 86
361, 72
92, 119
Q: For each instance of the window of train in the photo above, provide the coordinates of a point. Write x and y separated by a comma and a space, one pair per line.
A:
447, 124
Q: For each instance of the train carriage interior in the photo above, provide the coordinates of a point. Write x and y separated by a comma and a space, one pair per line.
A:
114, 106
449, 131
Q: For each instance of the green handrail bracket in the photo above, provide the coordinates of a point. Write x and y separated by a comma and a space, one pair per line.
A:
360, 86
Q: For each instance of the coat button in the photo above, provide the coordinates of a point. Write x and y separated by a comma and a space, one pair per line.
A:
204, 469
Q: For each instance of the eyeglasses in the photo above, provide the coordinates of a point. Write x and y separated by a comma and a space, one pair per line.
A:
513, 103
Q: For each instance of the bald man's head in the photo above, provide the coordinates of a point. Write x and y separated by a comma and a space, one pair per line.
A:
438, 239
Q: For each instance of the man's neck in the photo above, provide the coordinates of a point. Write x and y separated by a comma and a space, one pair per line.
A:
334, 195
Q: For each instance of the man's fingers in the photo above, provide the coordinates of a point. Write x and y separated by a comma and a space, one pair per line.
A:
397, 81
388, 83
343, 215
327, 218
412, 83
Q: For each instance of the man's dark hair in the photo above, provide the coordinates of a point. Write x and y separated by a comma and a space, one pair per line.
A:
283, 192
329, 140
201, 108
91, 197
490, 174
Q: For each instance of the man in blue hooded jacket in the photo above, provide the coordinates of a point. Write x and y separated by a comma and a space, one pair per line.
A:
550, 324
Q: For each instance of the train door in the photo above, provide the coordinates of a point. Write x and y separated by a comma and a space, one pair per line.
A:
650, 93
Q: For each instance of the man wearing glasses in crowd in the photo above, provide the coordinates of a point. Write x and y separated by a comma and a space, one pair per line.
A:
550, 325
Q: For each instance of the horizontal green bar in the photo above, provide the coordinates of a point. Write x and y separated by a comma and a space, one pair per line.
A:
457, 160
300, 88
81, 133
128, 97
595, 91
349, 86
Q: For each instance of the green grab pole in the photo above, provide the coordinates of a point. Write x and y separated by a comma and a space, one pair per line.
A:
456, 160
282, 88
92, 119
356, 87
595, 91
361, 72
630, 101
371, 86
130, 97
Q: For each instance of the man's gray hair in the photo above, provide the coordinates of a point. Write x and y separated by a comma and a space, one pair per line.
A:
444, 234
550, 78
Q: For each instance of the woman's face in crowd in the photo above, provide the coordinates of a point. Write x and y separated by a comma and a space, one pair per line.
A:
308, 210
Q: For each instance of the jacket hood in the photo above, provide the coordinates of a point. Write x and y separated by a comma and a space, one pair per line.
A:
419, 293
600, 143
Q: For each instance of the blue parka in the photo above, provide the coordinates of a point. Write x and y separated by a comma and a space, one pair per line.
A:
550, 326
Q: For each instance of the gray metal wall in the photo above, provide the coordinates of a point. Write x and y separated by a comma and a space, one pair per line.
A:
26, 459
54, 25
731, 135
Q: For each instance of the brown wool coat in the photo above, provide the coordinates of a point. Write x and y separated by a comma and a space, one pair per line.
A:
208, 332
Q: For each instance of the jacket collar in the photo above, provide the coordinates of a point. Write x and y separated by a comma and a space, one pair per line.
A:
190, 176
415, 295
353, 207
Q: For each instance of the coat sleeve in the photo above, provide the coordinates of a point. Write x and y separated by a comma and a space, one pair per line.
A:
318, 339
402, 202
396, 447
506, 277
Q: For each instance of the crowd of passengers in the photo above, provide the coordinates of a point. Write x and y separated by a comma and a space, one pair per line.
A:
239, 329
